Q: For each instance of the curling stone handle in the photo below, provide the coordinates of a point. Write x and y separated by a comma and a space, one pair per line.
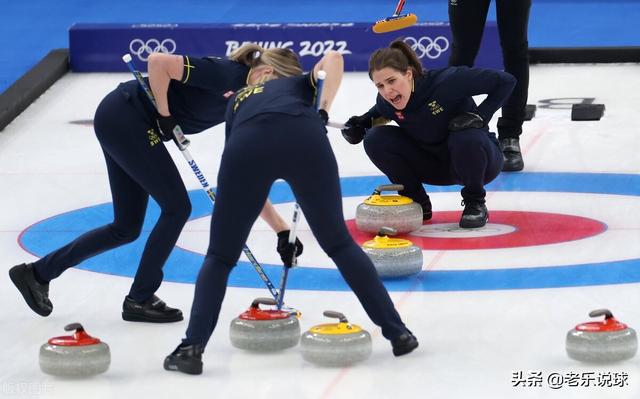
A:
387, 231
336, 315
264, 301
388, 187
601, 312
74, 327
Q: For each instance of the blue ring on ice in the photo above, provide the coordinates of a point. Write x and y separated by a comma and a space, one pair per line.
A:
182, 266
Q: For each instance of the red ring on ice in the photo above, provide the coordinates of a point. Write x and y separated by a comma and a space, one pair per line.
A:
531, 228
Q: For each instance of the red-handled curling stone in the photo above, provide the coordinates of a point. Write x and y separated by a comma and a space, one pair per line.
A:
77, 355
602, 341
264, 330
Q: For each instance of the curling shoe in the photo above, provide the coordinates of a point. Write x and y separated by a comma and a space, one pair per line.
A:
426, 210
510, 148
404, 344
34, 293
475, 214
153, 310
186, 359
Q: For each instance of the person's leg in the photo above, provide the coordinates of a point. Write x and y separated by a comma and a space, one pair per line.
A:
129, 139
313, 176
513, 22
467, 20
241, 193
244, 180
129, 202
129, 206
475, 161
402, 160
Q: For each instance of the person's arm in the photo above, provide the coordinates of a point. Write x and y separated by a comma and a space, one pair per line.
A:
273, 218
333, 64
497, 85
275, 221
162, 69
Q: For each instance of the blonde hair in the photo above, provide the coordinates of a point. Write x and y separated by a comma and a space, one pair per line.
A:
246, 54
283, 61
398, 56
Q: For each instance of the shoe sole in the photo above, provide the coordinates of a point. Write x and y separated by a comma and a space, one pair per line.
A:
516, 168
146, 319
473, 226
26, 294
406, 350
184, 368
513, 167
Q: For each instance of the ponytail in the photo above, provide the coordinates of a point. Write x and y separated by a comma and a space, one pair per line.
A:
398, 56
247, 54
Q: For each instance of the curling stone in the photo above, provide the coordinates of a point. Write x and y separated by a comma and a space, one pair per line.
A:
602, 341
77, 355
264, 330
393, 257
336, 344
395, 211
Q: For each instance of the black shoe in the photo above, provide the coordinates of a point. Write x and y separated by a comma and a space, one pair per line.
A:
153, 310
426, 210
35, 294
512, 156
187, 359
404, 344
475, 214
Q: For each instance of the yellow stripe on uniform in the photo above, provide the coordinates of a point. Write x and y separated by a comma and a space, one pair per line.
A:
312, 79
188, 67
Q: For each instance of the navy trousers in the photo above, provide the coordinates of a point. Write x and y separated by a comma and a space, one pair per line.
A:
138, 165
470, 157
296, 149
467, 25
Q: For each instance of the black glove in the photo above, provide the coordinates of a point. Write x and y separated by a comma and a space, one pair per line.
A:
166, 124
466, 120
286, 250
355, 128
324, 116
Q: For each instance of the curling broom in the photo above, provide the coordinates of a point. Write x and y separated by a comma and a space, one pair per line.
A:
396, 21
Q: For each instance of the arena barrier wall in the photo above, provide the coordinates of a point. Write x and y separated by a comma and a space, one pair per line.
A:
99, 47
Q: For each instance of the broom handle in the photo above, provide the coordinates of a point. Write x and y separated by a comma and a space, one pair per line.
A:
398, 8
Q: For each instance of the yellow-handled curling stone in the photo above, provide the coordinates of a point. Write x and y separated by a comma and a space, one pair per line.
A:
336, 344
264, 330
602, 341
77, 355
393, 257
396, 211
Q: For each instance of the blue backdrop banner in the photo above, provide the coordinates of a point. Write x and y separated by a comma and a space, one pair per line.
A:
99, 47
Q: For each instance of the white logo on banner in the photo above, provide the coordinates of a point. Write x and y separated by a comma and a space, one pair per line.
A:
144, 49
425, 46
306, 47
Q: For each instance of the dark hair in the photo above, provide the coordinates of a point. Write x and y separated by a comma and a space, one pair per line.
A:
398, 56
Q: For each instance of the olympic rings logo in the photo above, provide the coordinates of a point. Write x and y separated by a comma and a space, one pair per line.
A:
144, 49
425, 46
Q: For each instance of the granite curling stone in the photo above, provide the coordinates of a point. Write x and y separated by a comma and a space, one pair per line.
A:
394, 210
77, 355
336, 344
602, 341
264, 330
393, 257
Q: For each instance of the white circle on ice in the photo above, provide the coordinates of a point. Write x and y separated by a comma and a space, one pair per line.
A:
453, 230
